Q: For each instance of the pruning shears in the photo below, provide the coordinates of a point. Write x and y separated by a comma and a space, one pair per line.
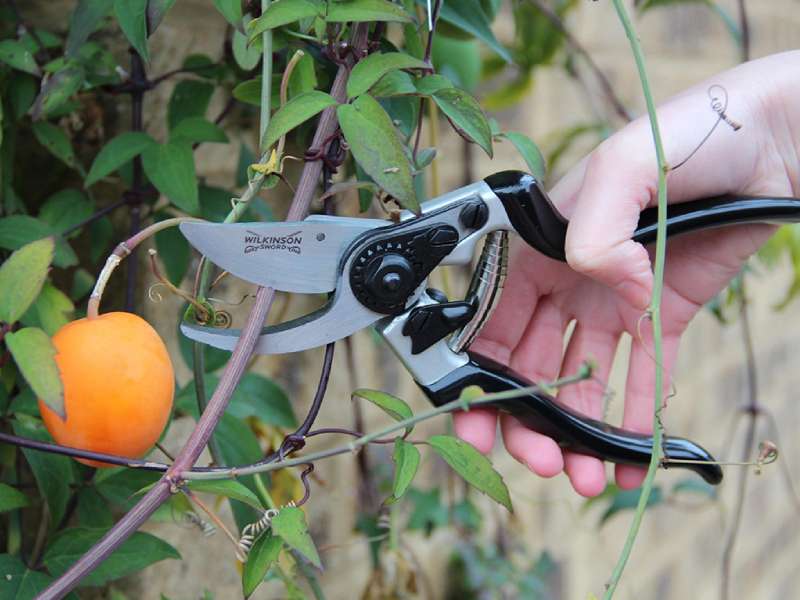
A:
375, 272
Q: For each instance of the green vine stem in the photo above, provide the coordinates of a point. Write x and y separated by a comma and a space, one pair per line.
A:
356, 444
123, 250
655, 303
237, 210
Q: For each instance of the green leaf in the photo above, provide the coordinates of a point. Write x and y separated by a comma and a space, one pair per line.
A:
20, 94
66, 209
56, 141
173, 250
132, 18
430, 84
18, 230
52, 310
11, 499
82, 284
304, 76
85, 19
391, 405
296, 111
529, 152
428, 512
693, 485
247, 57
198, 129
366, 10
394, 83
21, 583
290, 525
255, 396
119, 485
469, 16
249, 91
156, 10
134, 554
368, 71
457, 60
53, 473
282, 12
374, 144
466, 115
116, 153
56, 90
190, 98
473, 466
231, 10
406, 460
170, 167
625, 500
35, 354
93, 510
261, 557
227, 488
17, 56
22, 276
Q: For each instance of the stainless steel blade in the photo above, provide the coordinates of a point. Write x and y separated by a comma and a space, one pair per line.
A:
298, 256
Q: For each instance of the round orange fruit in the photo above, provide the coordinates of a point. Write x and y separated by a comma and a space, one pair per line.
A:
118, 386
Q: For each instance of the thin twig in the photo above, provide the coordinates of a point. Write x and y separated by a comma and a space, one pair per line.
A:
655, 304
94, 217
353, 446
138, 75
572, 41
752, 412
744, 26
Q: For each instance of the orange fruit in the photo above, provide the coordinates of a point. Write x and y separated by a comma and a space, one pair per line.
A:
118, 386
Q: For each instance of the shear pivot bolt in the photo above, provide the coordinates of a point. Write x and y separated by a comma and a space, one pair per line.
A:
474, 214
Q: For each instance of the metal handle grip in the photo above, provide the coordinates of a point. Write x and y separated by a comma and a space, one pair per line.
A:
569, 428
539, 223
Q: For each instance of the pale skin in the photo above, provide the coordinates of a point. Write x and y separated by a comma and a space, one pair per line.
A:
607, 284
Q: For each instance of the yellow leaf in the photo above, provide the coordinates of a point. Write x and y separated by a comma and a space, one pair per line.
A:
271, 166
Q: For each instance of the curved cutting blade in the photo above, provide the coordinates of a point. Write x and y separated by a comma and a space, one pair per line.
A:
298, 256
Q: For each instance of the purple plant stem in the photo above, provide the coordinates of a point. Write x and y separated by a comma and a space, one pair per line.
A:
233, 372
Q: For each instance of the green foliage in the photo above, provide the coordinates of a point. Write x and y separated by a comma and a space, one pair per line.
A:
34, 355
393, 406
406, 458
135, 553
22, 583
473, 466
117, 153
466, 115
11, 499
170, 167
298, 110
368, 71
374, 143
22, 276
227, 489
290, 525
262, 556
132, 19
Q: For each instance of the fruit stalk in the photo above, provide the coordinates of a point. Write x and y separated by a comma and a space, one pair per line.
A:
122, 250
234, 370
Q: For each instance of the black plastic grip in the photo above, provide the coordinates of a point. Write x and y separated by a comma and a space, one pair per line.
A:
538, 222
569, 428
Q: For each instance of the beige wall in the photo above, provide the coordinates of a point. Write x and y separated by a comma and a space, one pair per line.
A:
679, 548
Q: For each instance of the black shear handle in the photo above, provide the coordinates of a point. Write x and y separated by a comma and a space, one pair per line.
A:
538, 222
573, 431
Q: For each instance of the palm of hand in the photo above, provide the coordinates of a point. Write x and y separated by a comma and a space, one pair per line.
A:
543, 296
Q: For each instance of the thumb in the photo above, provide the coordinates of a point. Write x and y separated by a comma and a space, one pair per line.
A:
605, 212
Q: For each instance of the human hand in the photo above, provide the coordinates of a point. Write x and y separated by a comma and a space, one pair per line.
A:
607, 284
